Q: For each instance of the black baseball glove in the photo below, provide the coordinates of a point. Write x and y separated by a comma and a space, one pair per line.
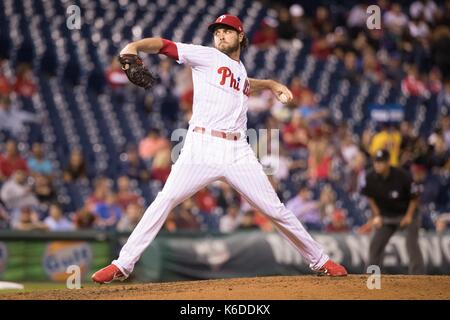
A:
136, 71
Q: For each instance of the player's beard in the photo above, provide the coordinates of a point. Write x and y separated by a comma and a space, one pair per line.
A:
229, 48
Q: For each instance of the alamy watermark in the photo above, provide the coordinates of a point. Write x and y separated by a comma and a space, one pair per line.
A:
374, 280
73, 21
74, 279
374, 19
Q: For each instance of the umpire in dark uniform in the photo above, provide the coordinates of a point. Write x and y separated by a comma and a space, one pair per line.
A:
393, 200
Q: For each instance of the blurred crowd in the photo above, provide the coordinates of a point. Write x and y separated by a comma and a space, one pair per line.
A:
317, 161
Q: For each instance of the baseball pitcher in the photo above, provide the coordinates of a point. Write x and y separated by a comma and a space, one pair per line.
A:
215, 147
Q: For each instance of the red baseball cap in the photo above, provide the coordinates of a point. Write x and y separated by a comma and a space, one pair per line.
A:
416, 168
228, 20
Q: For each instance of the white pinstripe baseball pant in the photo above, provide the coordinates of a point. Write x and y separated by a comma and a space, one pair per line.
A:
204, 159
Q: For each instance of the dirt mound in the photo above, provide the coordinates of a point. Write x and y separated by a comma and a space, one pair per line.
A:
264, 288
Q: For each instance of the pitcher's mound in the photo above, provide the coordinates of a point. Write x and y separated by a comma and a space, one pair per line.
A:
262, 288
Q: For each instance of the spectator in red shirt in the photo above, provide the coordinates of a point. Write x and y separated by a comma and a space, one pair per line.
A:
11, 161
267, 36
161, 165
24, 85
320, 159
338, 222
322, 28
412, 84
84, 218
295, 133
205, 201
321, 48
125, 196
298, 90
5, 85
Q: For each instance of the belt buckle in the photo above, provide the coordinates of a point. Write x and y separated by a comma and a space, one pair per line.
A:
232, 136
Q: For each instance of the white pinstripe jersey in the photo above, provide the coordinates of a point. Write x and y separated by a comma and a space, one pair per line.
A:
221, 88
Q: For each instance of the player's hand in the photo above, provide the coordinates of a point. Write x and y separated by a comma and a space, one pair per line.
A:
128, 49
281, 92
406, 221
377, 222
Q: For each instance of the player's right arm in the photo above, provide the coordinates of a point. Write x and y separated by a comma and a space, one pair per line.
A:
277, 88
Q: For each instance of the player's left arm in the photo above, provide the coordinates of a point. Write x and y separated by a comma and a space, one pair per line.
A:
281, 92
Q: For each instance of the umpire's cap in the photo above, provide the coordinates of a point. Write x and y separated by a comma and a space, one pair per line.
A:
382, 155
227, 20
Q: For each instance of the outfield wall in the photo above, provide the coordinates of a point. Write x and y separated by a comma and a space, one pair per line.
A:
38, 256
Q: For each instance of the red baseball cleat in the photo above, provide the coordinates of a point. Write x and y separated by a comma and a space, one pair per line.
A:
108, 274
332, 269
